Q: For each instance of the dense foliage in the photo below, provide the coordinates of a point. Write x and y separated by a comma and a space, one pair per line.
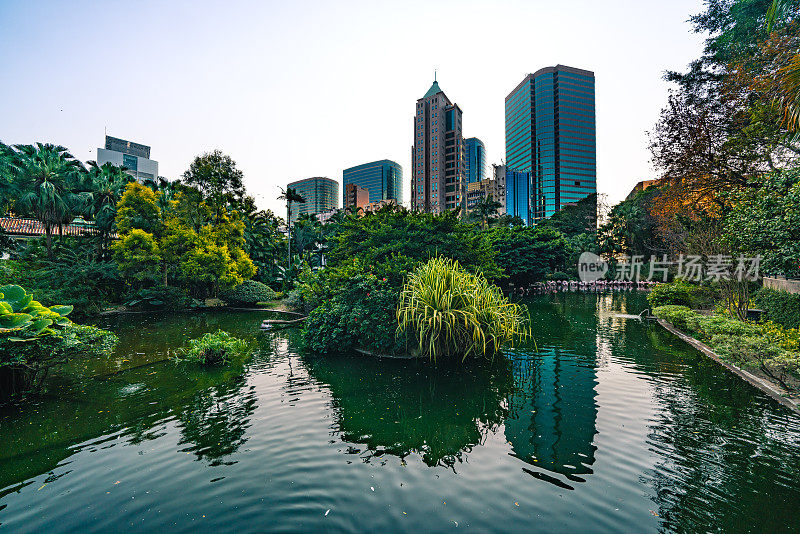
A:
767, 347
680, 293
779, 306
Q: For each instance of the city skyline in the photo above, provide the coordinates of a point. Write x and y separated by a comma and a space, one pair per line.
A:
222, 79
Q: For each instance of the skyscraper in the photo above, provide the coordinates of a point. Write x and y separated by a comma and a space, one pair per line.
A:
518, 191
550, 132
437, 157
383, 179
134, 157
474, 160
321, 194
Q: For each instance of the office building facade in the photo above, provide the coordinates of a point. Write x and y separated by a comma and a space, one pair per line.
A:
355, 196
437, 156
550, 132
383, 180
518, 191
474, 160
134, 157
321, 194
494, 187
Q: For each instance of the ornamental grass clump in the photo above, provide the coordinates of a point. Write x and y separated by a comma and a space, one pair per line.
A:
454, 313
219, 348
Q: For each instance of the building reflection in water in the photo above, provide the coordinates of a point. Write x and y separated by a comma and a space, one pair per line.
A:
553, 410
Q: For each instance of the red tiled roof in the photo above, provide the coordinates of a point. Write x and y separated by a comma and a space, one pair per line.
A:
32, 227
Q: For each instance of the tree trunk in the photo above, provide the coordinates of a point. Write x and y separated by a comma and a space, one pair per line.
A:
164, 274
48, 230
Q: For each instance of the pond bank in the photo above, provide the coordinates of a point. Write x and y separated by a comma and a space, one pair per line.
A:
769, 387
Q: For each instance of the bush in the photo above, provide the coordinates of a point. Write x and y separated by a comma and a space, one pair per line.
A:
159, 298
781, 307
679, 293
451, 312
713, 325
558, 276
219, 348
682, 317
249, 292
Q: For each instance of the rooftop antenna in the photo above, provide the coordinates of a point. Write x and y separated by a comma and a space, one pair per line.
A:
434, 75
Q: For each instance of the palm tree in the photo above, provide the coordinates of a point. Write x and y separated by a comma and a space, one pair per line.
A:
290, 195
46, 175
105, 187
486, 207
7, 192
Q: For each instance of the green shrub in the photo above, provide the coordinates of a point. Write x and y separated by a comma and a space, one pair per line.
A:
679, 293
159, 298
781, 307
713, 325
219, 348
558, 276
361, 314
453, 313
682, 317
249, 293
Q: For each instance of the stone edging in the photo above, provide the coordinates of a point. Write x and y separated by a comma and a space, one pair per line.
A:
772, 390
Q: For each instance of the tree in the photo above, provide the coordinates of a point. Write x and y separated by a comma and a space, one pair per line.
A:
137, 256
527, 254
575, 219
290, 195
138, 209
216, 176
44, 176
767, 223
486, 208
105, 186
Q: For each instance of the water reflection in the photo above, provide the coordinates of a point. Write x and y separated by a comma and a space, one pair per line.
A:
403, 407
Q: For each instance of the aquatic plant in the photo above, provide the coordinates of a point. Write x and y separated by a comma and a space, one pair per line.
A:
452, 312
219, 348
24, 318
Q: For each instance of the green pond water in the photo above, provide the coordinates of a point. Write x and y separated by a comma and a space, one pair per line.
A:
605, 424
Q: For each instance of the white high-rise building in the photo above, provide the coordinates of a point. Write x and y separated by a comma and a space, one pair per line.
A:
133, 156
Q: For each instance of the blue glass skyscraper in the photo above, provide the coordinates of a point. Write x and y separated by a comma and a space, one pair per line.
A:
474, 160
383, 179
550, 132
518, 192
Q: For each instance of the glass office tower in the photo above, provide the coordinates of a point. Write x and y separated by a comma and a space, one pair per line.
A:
550, 132
321, 194
518, 192
474, 160
383, 179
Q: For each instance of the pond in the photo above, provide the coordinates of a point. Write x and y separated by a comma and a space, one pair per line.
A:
604, 424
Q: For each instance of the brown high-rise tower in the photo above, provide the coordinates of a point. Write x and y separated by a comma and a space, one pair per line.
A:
437, 157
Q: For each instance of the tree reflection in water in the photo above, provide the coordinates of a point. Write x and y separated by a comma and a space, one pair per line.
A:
401, 407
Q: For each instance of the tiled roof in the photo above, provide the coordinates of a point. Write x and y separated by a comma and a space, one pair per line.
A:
32, 227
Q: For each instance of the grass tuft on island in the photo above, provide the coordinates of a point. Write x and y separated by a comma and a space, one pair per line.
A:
453, 313
214, 349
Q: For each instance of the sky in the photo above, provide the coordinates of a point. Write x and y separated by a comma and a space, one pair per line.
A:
294, 89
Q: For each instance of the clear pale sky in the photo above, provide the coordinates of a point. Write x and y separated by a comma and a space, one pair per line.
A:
298, 89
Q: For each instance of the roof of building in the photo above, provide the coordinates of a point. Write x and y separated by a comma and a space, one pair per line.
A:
32, 227
433, 90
